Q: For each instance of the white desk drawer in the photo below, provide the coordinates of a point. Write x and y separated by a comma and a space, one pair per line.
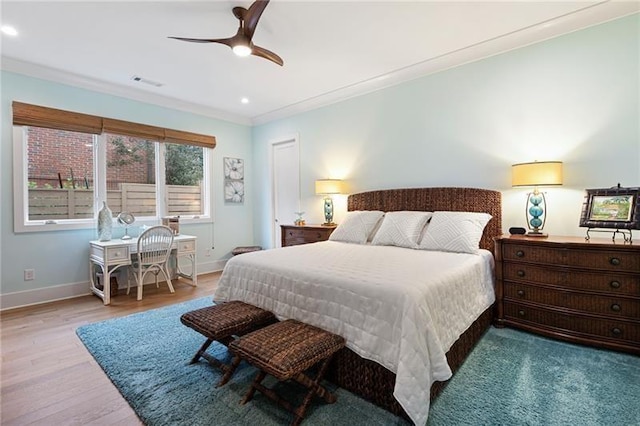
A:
115, 254
186, 246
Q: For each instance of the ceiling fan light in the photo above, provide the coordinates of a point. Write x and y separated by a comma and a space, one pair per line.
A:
242, 50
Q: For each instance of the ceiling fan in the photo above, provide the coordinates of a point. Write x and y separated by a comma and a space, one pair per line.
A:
241, 43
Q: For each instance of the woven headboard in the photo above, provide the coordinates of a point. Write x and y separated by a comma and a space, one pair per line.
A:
436, 199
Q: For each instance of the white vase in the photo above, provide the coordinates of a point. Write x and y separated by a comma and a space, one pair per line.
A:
105, 222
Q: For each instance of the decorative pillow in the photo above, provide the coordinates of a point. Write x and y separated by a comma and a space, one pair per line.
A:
458, 232
357, 226
401, 229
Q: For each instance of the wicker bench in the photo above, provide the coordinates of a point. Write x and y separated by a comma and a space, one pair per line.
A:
245, 249
286, 350
221, 323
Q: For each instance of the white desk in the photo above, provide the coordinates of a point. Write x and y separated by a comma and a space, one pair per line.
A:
116, 253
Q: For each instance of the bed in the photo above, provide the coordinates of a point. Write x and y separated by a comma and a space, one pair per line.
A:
373, 295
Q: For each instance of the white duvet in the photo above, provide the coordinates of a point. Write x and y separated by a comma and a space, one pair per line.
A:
400, 307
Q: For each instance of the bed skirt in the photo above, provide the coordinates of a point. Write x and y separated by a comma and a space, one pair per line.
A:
375, 383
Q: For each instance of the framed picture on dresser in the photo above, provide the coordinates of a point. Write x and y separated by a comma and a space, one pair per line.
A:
611, 208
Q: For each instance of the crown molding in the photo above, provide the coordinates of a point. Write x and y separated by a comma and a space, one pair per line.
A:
76, 80
586, 17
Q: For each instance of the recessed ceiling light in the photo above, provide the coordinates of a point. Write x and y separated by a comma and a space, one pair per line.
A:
244, 100
9, 30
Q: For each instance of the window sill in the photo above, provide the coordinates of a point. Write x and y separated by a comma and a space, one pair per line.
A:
67, 225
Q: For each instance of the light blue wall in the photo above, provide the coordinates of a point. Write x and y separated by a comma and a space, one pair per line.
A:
574, 98
61, 257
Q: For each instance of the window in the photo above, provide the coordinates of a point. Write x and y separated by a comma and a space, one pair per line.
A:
131, 175
62, 175
184, 172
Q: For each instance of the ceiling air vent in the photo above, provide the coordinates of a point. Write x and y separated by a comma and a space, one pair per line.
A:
146, 81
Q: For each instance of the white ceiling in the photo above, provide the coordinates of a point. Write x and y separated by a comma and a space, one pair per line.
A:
331, 49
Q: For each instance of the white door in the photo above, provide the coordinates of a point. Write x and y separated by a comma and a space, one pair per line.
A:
285, 182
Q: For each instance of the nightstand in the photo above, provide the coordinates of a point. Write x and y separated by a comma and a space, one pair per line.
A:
570, 289
293, 235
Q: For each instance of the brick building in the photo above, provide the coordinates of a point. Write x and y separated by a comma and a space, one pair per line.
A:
54, 155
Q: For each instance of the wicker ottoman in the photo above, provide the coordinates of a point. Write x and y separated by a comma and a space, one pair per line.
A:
221, 323
286, 350
245, 249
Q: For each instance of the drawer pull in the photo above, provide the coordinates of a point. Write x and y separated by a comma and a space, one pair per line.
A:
319, 235
521, 313
614, 261
616, 331
520, 253
615, 284
520, 273
520, 292
616, 308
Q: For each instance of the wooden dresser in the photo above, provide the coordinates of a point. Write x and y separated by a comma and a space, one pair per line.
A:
293, 235
570, 289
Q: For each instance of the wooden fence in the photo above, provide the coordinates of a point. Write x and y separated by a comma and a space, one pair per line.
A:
138, 199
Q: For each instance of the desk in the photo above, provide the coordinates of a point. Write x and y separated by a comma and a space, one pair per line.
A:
114, 254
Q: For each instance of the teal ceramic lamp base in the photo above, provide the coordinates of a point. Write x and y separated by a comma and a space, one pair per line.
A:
536, 215
544, 173
328, 212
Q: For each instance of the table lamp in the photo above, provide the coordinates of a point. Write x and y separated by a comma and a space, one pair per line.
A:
543, 173
328, 187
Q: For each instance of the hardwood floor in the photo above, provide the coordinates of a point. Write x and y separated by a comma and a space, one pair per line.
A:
47, 375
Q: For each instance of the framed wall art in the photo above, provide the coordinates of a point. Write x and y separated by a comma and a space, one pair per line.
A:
616, 208
233, 180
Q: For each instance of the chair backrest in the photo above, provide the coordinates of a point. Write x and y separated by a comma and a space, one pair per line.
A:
154, 245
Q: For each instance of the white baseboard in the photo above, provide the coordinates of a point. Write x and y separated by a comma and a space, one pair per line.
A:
214, 266
21, 299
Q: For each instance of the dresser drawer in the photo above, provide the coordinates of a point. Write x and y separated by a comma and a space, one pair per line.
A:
595, 304
606, 260
315, 236
310, 235
623, 331
295, 241
296, 235
609, 260
533, 254
604, 282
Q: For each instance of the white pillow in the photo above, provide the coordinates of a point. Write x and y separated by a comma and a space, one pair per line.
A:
357, 226
401, 229
458, 232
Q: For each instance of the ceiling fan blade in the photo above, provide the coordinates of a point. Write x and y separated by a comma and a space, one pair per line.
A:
266, 54
225, 41
252, 16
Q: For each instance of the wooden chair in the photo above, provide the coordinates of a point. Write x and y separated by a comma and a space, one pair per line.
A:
154, 248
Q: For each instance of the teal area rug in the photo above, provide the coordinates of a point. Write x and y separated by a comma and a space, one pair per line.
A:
511, 378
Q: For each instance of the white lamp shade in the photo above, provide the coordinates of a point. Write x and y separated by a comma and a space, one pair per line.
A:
329, 186
544, 173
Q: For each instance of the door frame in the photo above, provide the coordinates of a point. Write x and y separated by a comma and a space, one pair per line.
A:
295, 139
